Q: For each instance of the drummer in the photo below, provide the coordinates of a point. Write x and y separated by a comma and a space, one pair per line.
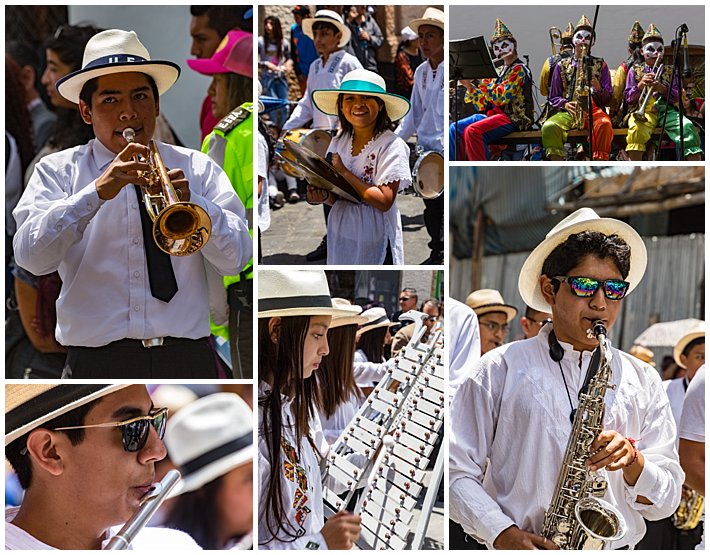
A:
374, 161
330, 35
427, 116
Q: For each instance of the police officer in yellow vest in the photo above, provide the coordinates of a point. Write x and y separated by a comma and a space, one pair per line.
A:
230, 145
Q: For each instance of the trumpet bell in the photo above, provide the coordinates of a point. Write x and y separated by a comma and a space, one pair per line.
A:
182, 228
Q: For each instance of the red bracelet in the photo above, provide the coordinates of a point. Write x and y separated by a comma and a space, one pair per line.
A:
636, 452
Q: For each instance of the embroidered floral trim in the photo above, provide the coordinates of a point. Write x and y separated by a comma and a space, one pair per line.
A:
294, 472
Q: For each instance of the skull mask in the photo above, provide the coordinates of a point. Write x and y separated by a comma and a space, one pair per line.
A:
503, 48
582, 37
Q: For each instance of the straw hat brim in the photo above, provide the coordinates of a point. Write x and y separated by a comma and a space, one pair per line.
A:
683, 343
304, 311
29, 406
385, 324
326, 100
164, 73
213, 471
416, 23
509, 310
529, 279
348, 321
307, 26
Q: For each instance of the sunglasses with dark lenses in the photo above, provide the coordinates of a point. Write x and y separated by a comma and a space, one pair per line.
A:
614, 289
134, 430
404, 298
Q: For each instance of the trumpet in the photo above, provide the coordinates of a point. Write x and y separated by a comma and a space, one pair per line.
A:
149, 504
179, 228
640, 114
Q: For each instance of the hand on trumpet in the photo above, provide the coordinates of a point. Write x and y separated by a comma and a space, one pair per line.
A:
180, 184
129, 166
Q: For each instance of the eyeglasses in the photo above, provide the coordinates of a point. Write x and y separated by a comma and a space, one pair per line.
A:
135, 430
614, 289
495, 327
432, 318
404, 298
540, 322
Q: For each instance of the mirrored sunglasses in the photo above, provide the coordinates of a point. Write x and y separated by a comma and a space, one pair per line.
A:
614, 289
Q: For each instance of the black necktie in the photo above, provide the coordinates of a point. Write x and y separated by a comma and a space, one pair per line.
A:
163, 285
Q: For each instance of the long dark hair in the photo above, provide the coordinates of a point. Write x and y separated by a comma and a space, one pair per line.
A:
372, 344
382, 123
196, 513
334, 380
18, 121
276, 34
281, 365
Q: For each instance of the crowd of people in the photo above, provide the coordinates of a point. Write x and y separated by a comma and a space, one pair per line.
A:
153, 299
642, 95
333, 55
631, 448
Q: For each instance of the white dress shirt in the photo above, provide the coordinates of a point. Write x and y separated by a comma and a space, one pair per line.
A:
157, 540
676, 394
321, 75
426, 116
357, 232
304, 509
465, 341
97, 247
262, 171
510, 423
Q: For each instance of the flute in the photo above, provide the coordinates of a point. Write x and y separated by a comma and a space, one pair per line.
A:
149, 504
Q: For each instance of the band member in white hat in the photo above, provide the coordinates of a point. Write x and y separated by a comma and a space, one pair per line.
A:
211, 443
295, 312
426, 118
374, 161
126, 309
494, 317
85, 456
525, 394
330, 36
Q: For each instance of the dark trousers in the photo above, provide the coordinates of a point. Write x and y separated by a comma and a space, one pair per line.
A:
459, 540
128, 359
241, 341
434, 222
661, 534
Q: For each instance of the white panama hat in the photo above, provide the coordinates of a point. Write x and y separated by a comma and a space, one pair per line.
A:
354, 318
29, 406
364, 82
296, 293
432, 16
486, 301
698, 330
117, 51
208, 438
327, 16
584, 219
376, 318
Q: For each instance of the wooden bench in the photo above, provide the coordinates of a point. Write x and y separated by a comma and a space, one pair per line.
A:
573, 137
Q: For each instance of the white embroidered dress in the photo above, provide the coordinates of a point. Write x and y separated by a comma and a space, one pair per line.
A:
357, 232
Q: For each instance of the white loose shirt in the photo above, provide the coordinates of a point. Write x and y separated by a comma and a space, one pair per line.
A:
692, 422
157, 540
262, 171
510, 422
675, 389
465, 341
334, 425
97, 247
357, 232
426, 116
321, 75
301, 490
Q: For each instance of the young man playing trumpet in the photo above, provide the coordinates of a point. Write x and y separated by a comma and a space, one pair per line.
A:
646, 92
527, 394
85, 457
127, 309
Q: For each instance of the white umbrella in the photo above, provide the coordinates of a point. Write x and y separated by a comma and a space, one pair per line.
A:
665, 334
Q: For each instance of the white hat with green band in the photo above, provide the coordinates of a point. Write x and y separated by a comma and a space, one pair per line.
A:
364, 82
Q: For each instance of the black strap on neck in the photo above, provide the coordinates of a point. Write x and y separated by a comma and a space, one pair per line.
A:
161, 276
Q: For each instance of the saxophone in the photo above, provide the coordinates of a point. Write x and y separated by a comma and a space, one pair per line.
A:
577, 518
580, 94
687, 515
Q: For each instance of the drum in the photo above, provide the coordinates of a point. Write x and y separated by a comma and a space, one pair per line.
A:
428, 175
315, 140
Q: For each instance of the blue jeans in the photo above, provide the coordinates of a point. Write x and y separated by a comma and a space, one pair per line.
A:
458, 128
276, 86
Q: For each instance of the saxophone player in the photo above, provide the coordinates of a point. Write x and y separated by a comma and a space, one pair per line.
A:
563, 98
85, 457
512, 415
126, 309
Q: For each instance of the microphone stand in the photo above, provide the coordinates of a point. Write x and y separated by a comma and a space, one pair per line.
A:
589, 84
